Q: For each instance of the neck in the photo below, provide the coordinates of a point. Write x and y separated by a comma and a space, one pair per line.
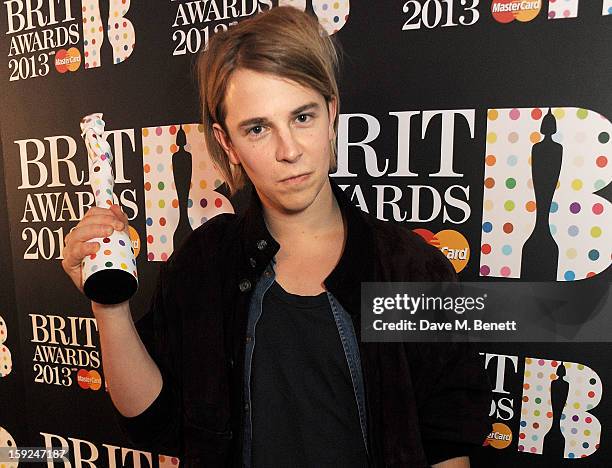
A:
321, 216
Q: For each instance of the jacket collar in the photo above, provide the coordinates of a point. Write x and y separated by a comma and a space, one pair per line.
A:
355, 264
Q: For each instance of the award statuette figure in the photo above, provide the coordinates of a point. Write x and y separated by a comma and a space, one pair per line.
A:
109, 276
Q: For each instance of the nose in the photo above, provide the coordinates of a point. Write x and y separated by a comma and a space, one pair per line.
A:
288, 148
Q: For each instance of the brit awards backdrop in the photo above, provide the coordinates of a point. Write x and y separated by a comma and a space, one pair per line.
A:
456, 117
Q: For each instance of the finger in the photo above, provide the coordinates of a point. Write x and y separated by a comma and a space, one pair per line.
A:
74, 254
109, 219
93, 210
87, 232
88, 248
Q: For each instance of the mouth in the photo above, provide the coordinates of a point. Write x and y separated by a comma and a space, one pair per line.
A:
296, 179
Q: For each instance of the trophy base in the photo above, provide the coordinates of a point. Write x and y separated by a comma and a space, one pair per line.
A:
110, 286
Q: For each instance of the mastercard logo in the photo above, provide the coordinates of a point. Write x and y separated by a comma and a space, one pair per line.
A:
506, 11
89, 379
451, 243
500, 437
67, 60
135, 238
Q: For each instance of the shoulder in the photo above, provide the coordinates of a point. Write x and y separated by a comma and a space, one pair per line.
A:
209, 239
406, 254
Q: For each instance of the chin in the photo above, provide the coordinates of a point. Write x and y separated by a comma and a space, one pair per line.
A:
295, 203
296, 199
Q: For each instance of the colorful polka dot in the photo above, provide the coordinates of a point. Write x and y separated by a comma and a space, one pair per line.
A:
596, 231
576, 184
554, 207
597, 208
593, 254
601, 161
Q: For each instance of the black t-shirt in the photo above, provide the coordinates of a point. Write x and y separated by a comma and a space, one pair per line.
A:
304, 408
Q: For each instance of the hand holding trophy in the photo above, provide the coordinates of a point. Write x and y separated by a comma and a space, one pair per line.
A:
109, 275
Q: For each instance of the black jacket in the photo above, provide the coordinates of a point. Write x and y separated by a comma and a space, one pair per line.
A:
425, 402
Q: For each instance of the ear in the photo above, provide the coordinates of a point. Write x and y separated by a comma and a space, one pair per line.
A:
332, 110
226, 143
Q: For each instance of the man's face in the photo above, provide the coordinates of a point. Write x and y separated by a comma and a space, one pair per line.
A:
279, 132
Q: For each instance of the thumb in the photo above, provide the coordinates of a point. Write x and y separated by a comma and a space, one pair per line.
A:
116, 209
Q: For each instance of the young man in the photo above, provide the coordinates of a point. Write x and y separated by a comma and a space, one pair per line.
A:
252, 353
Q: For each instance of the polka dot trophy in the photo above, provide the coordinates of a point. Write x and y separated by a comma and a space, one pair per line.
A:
6, 363
109, 275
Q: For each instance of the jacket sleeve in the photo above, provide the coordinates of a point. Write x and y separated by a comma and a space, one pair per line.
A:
453, 400
452, 388
157, 427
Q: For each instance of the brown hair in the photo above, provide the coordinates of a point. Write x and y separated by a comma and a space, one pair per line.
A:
282, 41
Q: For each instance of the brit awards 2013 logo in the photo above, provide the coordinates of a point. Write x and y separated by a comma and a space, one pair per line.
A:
47, 35
6, 363
543, 219
197, 21
66, 351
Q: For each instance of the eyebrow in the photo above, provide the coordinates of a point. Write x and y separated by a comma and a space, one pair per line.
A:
263, 120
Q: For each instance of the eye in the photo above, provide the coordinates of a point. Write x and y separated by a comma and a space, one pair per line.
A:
257, 130
303, 118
